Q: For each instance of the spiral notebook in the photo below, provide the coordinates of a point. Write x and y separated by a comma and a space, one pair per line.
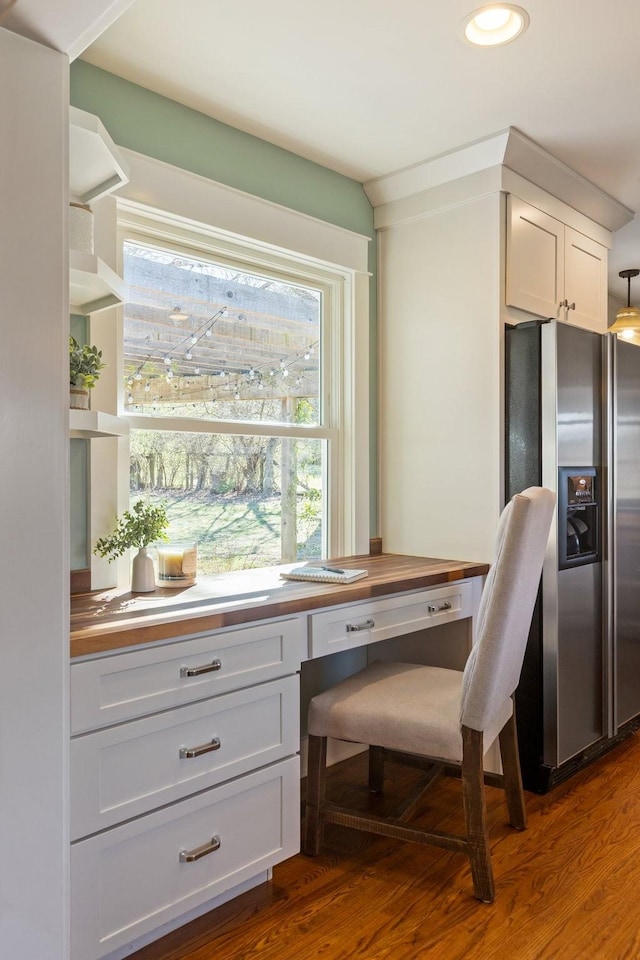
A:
324, 574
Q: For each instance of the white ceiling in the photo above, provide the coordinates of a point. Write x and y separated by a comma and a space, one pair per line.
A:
367, 87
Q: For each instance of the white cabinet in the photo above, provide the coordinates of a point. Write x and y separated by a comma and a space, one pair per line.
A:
553, 270
131, 880
357, 624
185, 777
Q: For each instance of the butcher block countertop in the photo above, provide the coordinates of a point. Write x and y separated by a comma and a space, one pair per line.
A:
111, 619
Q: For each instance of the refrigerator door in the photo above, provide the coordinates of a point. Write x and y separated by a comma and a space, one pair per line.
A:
626, 522
554, 429
574, 670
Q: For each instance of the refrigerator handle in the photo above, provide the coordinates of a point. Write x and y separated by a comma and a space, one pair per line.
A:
609, 519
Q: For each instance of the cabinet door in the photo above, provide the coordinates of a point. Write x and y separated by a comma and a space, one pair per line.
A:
130, 880
585, 281
535, 260
126, 770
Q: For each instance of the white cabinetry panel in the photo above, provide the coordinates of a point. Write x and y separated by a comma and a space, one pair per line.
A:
127, 685
130, 880
342, 628
585, 271
552, 270
123, 771
535, 260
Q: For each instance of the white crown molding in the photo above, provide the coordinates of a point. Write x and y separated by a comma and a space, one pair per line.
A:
514, 151
68, 27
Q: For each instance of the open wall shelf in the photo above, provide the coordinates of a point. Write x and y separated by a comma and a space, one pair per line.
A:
96, 166
90, 424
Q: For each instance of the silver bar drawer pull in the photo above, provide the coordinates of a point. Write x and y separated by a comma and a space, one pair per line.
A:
189, 856
197, 671
438, 607
355, 627
187, 752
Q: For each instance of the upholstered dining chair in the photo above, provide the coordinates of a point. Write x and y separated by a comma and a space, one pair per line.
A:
439, 719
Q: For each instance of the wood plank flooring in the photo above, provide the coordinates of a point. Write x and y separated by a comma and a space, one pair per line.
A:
568, 888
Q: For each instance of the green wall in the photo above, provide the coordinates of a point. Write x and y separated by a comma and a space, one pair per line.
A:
157, 127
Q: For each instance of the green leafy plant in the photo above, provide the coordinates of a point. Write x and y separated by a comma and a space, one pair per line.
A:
138, 527
85, 364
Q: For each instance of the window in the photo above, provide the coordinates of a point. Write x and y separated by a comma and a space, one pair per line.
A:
234, 382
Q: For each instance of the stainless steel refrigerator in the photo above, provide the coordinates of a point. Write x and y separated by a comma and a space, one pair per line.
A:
573, 424
623, 583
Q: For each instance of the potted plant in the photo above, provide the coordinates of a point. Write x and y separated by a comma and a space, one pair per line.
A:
142, 525
85, 364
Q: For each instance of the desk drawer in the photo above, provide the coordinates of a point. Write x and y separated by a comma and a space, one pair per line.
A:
355, 625
130, 880
129, 769
111, 689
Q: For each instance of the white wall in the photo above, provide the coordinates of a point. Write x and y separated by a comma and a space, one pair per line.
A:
440, 381
34, 558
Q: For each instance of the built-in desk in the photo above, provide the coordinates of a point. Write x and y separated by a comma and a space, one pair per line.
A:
185, 721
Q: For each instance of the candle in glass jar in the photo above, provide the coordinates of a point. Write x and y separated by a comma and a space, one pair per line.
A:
170, 562
177, 564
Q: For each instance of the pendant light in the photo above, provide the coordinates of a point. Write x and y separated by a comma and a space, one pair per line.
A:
178, 314
627, 318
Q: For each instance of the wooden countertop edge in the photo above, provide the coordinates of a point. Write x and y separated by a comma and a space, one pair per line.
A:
111, 635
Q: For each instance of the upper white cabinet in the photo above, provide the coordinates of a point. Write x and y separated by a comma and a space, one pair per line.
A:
553, 270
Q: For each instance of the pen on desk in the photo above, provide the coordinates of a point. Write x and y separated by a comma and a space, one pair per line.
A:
332, 570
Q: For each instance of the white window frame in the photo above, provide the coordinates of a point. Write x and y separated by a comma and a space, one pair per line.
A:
306, 254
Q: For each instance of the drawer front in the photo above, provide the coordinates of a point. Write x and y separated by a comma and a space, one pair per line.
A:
343, 628
111, 689
130, 880
129, 769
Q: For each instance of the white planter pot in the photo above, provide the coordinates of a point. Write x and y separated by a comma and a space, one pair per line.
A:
78, 398
143, 578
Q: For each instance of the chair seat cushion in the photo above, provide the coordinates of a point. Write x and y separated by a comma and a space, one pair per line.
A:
400, 706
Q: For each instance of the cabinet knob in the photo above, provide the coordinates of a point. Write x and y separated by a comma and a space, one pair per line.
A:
439, 607
571, 306
563, 303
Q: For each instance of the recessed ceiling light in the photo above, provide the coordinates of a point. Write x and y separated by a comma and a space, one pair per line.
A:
495, 24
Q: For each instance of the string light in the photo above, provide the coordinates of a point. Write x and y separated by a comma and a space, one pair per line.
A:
250, 377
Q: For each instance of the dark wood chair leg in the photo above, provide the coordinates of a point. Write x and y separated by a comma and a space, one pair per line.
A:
512, 777
376, 769
316, 766
475, 815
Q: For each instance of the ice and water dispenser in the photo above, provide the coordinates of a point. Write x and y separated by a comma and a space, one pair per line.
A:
578, 516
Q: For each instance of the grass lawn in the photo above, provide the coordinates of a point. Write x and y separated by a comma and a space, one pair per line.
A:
232, 532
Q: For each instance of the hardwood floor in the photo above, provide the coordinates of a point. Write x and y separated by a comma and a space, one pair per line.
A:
568, 888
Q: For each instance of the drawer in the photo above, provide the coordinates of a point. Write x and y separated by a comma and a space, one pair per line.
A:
126, 770
354, 625
130, 880
110, 689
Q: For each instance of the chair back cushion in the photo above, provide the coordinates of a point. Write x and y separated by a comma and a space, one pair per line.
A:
492, 671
